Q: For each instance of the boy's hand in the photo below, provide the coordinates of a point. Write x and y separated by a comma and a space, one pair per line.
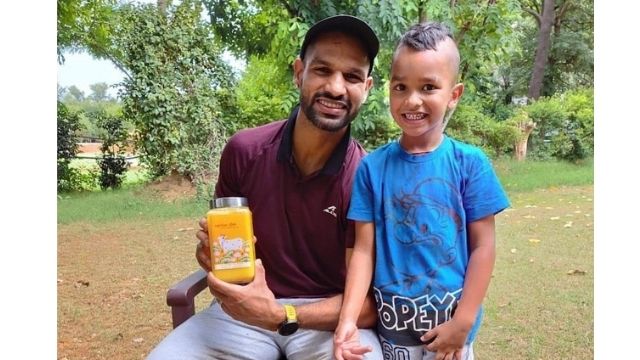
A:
346, 343
447, 339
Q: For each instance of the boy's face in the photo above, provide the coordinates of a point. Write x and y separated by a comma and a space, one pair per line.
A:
333, 80
423, 86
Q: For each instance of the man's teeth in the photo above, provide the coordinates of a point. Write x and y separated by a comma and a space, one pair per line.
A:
331, 104
414, 116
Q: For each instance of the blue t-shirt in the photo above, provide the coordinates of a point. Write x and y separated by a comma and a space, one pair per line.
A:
420, 205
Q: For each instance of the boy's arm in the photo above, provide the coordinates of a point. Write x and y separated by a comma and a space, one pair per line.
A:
451, 335
359, 272
482, 257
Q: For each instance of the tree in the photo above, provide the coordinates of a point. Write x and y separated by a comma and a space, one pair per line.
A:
179, 89
545, 21
99, 91
74, 94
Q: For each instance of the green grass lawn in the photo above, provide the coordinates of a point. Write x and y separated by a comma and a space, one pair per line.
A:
130, 247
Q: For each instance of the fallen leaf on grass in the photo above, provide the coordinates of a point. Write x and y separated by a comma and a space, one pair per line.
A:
576, 272
568, 224
80, 283
175, 238
531, 206
138, 340
549, 208
531, 260
513, 251
534, 241
185, 229
555, 218
529, 217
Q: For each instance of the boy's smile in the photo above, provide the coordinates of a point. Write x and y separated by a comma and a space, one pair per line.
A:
422, 88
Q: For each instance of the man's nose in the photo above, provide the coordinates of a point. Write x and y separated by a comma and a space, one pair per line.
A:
336, 85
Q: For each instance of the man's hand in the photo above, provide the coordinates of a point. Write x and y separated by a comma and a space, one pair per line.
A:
203, 253
448, 339
253, 303
346, 343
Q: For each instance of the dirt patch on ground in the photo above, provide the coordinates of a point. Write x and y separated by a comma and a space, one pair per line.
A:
170, 188
112, 283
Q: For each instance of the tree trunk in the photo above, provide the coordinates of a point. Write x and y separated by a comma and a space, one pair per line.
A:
422, 12
542, 50
521, 145
162, 6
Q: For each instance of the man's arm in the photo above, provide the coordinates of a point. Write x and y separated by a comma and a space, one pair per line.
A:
255, 304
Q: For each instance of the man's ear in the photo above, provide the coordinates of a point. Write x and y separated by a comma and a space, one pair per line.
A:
298, 68
456, 94
368, 85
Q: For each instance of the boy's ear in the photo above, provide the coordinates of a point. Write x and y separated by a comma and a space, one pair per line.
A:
456, 94
298, 68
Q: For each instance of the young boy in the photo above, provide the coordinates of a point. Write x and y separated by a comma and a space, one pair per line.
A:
424, 211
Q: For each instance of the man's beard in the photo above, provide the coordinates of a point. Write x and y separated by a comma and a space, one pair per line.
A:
332, 125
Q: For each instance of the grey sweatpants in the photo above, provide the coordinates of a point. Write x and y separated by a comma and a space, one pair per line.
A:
397, 352
212, 334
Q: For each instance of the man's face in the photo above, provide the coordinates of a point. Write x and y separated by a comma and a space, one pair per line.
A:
333, 80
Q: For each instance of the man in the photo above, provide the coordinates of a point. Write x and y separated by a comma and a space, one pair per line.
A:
297, 175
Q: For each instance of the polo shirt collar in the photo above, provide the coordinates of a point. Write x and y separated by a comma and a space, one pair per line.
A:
336, 159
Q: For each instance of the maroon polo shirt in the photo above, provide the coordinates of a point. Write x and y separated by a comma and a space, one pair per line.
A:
300, 222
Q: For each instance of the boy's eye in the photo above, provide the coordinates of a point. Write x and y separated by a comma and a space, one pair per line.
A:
399, 87
428, 87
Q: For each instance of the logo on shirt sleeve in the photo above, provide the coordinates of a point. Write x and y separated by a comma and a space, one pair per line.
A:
331, 210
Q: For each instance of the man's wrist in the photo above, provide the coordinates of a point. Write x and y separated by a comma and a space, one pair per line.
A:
279, 315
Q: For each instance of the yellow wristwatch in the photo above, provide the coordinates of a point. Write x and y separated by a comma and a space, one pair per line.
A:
290, 324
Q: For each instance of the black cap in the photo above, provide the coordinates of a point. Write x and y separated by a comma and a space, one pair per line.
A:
347, 24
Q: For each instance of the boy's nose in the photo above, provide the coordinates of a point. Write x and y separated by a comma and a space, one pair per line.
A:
413, 100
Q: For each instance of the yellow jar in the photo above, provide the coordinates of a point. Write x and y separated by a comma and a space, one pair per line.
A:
231, 240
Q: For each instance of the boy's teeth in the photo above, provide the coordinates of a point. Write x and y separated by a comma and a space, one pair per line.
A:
414, 116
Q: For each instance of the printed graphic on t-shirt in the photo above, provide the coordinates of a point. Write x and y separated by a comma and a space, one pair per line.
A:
403, 320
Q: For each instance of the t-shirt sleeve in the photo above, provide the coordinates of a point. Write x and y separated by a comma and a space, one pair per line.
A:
361, 207
483, 194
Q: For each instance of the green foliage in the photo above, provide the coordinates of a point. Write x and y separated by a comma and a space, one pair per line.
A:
261, 94
68, 125
470, 125
85, 25
178, 91
112, 164
374, 126
564, 126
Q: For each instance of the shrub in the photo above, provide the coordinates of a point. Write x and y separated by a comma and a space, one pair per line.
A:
549, 116
564, 126
68, 125
113, 164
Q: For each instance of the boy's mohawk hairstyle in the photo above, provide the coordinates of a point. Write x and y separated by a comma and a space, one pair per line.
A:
425, 36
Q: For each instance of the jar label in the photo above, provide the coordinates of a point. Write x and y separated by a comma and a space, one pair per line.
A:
230, 253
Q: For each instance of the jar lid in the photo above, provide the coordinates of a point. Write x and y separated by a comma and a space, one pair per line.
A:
229, 202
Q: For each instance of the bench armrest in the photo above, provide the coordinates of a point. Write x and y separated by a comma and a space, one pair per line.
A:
181, 296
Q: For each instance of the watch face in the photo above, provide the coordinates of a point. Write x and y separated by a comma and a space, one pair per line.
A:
288, 328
